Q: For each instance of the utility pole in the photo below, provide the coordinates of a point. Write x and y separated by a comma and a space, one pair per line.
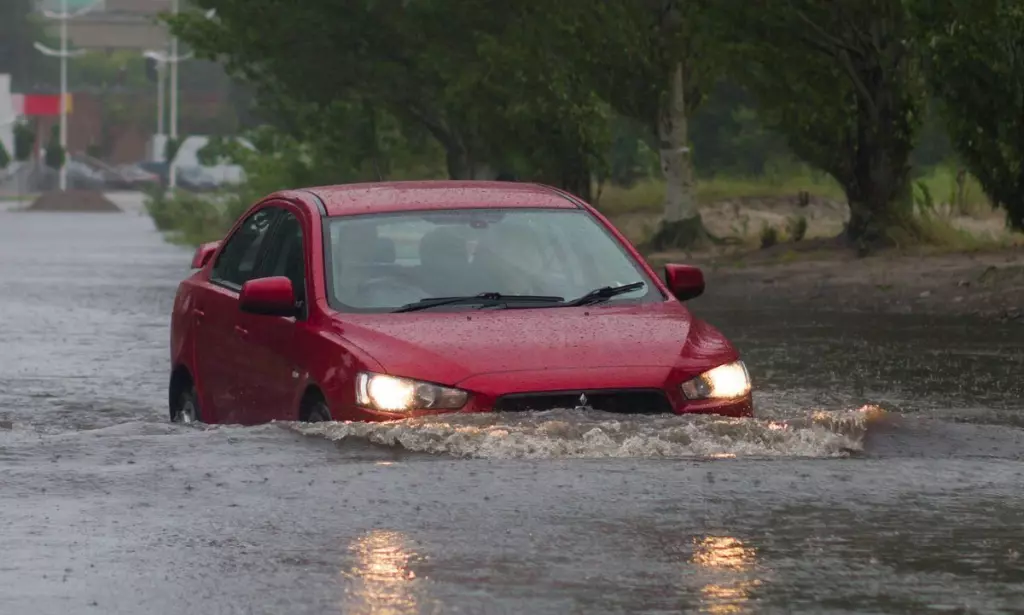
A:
163, 59
64, 54
161, 98
172, 169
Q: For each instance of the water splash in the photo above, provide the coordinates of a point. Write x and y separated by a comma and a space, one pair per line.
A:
579, 434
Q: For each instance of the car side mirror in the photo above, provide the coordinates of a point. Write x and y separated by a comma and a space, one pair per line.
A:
268, 297
203, 254
685, 282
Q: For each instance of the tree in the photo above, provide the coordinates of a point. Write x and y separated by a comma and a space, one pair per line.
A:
19, 30
652, 61
55, 155
5, 156
459, 70
24, 140
974, 63
839, 79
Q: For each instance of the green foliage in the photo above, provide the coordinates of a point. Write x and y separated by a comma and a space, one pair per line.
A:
924, 202
171, 147
796, 228
189, 218
840, 81
19, 30
24, 140
274, 160
454, 70
55, 154
769, 236
730, 138
104, 70
974, 62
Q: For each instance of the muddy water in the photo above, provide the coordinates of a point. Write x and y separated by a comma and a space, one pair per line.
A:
884, 475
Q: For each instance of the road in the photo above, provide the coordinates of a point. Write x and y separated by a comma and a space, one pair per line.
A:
817, 506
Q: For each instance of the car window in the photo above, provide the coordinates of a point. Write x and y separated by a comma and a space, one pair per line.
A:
237, 262
286, 255
379, 262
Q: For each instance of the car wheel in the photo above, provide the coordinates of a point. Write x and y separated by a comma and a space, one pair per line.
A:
317, 411
186, 407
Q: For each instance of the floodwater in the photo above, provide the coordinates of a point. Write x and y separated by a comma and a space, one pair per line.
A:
885, 473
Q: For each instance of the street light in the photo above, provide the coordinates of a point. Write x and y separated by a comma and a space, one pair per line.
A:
162, 59
64, 54
173, 59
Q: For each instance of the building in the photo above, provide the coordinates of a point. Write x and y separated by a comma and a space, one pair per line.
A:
121, 121
114, 24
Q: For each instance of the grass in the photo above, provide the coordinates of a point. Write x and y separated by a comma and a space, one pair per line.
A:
19, 198
941, 184
647, 196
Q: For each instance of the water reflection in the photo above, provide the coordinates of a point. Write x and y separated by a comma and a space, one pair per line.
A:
381, 582
732, 565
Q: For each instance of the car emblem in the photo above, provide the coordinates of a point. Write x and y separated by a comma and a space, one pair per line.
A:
583, 405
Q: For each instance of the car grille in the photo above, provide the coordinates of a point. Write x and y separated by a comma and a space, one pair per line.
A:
627, 401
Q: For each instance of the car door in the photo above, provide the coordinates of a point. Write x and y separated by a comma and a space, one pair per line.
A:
271, 346
221, 364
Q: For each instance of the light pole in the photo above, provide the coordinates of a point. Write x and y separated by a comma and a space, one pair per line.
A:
64, 54
161, 98
162, 59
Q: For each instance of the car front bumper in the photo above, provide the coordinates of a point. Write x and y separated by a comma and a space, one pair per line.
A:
738, 408
627, 391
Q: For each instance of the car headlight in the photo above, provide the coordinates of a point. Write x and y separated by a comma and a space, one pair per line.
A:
394, 394
729, 381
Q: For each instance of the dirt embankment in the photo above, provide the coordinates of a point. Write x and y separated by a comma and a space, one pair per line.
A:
985, 284
819, 272
86, 201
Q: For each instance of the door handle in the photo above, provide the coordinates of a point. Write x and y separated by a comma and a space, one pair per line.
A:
242, 332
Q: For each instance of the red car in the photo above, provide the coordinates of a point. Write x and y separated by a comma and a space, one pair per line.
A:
381, 301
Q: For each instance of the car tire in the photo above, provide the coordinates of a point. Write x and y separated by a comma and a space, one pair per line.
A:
186, 407
316, 411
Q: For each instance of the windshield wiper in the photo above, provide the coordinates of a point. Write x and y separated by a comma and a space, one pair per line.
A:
488, 299
605, 293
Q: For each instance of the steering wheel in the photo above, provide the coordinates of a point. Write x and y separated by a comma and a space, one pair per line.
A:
393, 279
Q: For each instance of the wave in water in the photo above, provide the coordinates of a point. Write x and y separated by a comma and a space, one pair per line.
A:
577, 434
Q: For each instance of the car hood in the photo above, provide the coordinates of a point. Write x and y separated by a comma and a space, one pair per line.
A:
448, 347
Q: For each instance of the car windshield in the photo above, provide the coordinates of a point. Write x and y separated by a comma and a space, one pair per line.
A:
381, 262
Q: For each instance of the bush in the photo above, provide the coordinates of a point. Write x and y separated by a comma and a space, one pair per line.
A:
55, 156
769, 236
192, 218
796, 228
273, 162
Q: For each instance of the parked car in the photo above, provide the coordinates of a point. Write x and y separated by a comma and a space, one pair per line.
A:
134, 177
373, 302
193, 179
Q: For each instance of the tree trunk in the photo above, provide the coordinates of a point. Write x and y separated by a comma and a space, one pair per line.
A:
576, 177
681, 226
676, 161
879, 190
457, 161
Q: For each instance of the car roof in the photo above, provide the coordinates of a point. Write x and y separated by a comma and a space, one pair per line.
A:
363, 198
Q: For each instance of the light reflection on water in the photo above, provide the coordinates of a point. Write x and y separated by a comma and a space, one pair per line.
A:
381, 581
733, 565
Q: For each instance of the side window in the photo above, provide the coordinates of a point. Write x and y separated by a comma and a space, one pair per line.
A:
286, 255
237, 263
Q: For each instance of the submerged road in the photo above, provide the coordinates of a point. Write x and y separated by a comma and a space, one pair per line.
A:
816, 506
